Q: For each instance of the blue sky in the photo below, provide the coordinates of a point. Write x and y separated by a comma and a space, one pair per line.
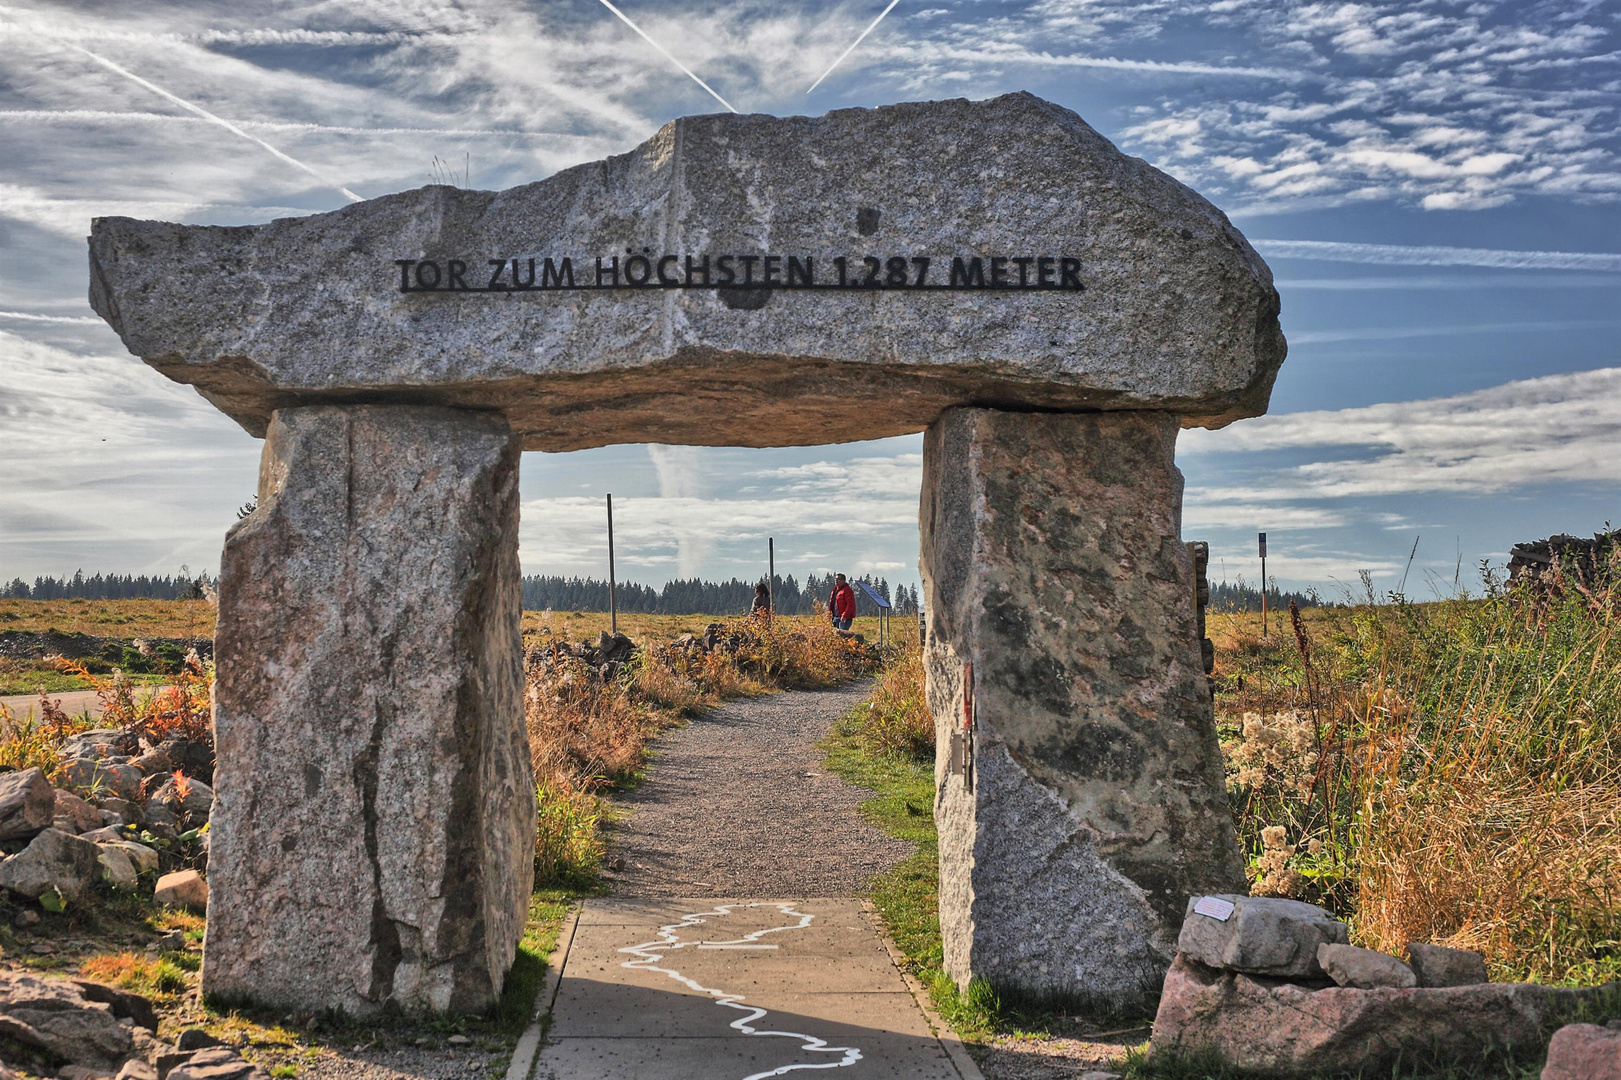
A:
1435, 184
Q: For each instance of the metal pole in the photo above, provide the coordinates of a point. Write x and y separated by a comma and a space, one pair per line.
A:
613, 601
771, 576
1263, 585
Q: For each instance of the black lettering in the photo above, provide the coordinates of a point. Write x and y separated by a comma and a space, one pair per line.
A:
772, 267
1044, 271
896, 275
422, 277
1069, 274
516, 284
667, 281
1024, 270
748, 267
873, 265
405, 273
500, 266
804, 271
967, 275
839, 264
702, 268
630, 274
922, 271
998, 272
458, 273
723, 263
555, 278
613, 266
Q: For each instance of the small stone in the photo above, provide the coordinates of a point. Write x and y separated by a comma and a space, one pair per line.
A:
25, 918
124, 1004
197, 1039
1263, 935
116, 868
1100, 1074
143, 857
187, 799
82, 1072
1364, 969
27, 804
459, 1040
1436, 965
72, 814
42, 948
1584, 1052
136, 1069
182, 889
52, 860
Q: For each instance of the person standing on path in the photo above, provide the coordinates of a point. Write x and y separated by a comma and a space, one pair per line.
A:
762, 601
841, 605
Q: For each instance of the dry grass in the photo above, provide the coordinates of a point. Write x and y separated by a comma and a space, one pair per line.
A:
111, 618
587, 735
897, 721
1445, 772
157, 976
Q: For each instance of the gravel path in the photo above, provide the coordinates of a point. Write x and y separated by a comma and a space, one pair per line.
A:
737, 803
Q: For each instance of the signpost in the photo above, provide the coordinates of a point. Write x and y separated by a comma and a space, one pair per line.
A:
771, 576
613, 603
1263, 585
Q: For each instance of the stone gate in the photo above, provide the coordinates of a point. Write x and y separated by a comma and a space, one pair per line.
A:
1049, 310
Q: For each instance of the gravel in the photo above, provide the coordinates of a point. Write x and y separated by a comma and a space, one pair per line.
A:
737, 803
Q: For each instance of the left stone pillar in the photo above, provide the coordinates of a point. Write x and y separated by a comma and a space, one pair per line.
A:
373, 836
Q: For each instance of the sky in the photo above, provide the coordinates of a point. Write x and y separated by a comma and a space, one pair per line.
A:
1435, 185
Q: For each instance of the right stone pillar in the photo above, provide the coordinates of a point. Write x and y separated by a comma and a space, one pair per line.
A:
1079, 791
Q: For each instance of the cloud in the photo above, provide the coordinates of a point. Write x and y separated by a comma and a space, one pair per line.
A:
1430, 255
1533, 432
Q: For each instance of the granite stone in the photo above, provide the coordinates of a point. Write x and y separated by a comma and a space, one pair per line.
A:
1178, 313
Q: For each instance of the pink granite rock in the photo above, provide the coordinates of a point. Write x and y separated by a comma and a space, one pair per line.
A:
1584, 1052
1277, 1028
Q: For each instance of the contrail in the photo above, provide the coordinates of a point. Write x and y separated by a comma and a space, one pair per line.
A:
854, 43
667, 56
1404, 255
206, 115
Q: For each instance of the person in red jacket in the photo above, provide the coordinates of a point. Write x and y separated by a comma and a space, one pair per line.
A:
841, 605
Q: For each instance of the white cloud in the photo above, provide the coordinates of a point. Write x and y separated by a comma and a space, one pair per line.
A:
1557, 429
1431, 255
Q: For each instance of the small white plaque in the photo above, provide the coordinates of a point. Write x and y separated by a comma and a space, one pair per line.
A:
1215, 907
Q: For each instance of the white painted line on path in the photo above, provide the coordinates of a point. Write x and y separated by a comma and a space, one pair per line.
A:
650, 953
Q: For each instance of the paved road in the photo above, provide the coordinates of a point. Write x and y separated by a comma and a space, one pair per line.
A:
73, 702
734, 948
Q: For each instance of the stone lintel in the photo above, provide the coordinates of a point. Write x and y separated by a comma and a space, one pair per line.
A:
1092, 802
373, 834
763, 281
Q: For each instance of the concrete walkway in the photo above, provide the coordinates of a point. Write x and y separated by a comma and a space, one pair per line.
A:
735, 990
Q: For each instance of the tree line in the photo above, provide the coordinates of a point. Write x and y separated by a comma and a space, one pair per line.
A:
694, 596
181, 586
1246, 597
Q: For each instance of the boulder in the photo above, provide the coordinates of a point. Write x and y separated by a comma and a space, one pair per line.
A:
1365, 969
1165, 307
74, 815
53, 860
109, 834
1262, 935
212, 1063
154, 815
1436, 965
136, 1069
27, 804
371, 844
125, 1005
105, 778
182, 889
1584, 1052
1087, 802
188, 799
143, 858
113, 806
117, 869
154, 761
101, 743
1277, 1028
53, 1017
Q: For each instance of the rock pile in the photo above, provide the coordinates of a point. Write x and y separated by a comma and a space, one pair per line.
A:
1589, 562
132, 799
606, 660
1272, 986
83, 1030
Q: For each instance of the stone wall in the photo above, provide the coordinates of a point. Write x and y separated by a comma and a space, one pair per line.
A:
1089, 803
372, 845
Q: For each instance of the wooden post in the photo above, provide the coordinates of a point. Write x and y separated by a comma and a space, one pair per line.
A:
613, 602
1263, 585
771, 576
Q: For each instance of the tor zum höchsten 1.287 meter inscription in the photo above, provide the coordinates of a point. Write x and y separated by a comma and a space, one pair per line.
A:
645, 270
